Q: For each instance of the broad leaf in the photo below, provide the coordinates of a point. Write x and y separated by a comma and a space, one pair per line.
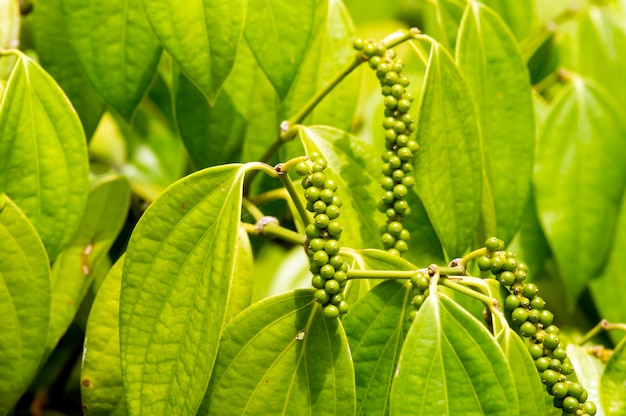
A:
58, 57
451, 365
102, 390
530, 392
588, 369
608, 289
329, 53
43, 155
376, 326
74, 269
613, 382
239, 126
495, 72
281, 356
520, 16
177, 276
354, 165
278, 32
242, 285
578, 184
448, 169
442, 19
201, 36
116, 47
24, 302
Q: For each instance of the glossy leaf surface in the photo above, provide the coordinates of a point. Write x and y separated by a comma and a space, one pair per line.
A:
24, 302
281, 356
451, 365
201, 36
116, 47
43, 156
613, 383
177, 276
577, 188
102, 390
494, 69
448, 171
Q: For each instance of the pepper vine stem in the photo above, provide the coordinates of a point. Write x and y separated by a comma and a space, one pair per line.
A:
297, 201
270, 228
531, 44
601, 326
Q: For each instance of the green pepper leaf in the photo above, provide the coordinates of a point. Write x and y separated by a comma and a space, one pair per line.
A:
177, 275
448, 168
24, 302
116, 47
281, 356
58, 57
9, 24
278, 32
73, 271
495, 72
376, 327
613, 384
588, 370
43, 155
451, 365
102, 390
242, 286
520, 16
577, 188
202, 37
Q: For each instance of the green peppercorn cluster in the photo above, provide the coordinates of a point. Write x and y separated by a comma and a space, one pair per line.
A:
322, 235
399, 147
533, 321
420, 283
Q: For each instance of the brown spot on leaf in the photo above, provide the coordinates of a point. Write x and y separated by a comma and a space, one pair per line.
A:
86, 382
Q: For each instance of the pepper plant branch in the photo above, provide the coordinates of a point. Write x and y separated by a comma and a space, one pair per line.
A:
295, 197
252, 209
601, 326
270, 228
531, 44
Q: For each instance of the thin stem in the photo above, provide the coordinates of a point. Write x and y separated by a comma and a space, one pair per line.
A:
252, 209
269, 196
451, 271
380, 274
295, 197
601, 326
273, 230
489, 301
530, 45
473, 255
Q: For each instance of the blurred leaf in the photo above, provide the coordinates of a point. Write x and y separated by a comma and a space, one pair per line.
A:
281, 356
177, 275
588, 370
73, 270
530, 392
102, 390
442, 19
601, 44
202, 37
58, 57
578, 183
494, 69
608, 290
278, 32
43, 155
116, 47
24, 302
520, 16
329, 53
451, 364
9, 24
239, 126
613, 382
242, 285
448, 169
376, 326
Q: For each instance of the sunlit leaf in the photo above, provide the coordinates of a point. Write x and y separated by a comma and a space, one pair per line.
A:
24, 302
448, 169
281, 356
9, 24
177, 275
102, 390
202, 37
73, 271
117, 48
58, 57
494, 69
242, 284
613, 382
278, 32
588, 369
43, 155
451, 365
520, 16
376, 326
442, 19
579, 183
